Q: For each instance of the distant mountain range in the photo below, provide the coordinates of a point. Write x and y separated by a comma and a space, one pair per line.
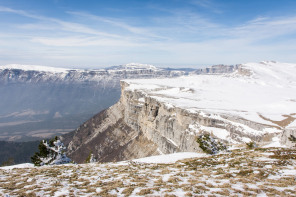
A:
38, 102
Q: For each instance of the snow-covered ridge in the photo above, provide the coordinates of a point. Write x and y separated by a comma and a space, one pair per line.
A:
112, 75
36, 68
134, 66
272, 73
130, 66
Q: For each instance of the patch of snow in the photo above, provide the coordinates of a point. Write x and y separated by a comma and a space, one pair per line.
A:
219, 133
275, 143
288, 172
63, 192
170, 158
268, 166
292, 125
141, 99
169, 105
246, 139
23, 165
172, 142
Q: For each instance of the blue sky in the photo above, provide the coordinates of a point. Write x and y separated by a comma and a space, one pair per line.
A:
180, 33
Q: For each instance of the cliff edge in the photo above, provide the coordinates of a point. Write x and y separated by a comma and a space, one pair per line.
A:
256, 103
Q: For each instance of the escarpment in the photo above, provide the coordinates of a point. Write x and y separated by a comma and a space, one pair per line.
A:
132, 128
161, 116
140, 125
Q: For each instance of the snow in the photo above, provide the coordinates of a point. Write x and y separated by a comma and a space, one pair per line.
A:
169, 158
23, 165
35, 68
172, 142
292, 125
275, 143
265, 96
127, 67
141, 99
139, 66
133, 67
220, 133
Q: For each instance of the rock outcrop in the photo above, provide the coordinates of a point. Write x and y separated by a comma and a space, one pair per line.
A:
134, 127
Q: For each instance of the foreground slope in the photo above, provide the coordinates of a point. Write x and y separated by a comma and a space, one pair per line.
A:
260, 172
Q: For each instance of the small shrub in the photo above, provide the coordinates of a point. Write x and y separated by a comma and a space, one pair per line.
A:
251, 145
145, 191
245, 172
292, 139
128, 191
90, 158
210, 145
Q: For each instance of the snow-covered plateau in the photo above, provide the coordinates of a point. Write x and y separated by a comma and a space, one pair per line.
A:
263, 93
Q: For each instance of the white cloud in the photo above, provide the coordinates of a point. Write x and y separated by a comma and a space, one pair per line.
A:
84, 41
265, 28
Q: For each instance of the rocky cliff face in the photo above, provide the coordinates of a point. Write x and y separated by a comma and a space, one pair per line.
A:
133, 128
217, 69
139, 126
167, 115
109, 138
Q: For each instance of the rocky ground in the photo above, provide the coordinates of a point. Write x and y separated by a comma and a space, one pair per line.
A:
241, 172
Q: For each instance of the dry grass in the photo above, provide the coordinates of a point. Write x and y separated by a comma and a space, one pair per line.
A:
214, 175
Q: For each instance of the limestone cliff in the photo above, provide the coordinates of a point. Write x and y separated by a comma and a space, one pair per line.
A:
160, 116
132, 128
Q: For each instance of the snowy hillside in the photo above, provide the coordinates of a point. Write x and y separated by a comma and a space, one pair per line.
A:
239, 173
262, 92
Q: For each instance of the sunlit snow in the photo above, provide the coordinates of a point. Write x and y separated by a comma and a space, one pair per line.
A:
263, 92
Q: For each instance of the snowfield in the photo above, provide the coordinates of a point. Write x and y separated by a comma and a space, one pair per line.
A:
262, 92
259, 172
